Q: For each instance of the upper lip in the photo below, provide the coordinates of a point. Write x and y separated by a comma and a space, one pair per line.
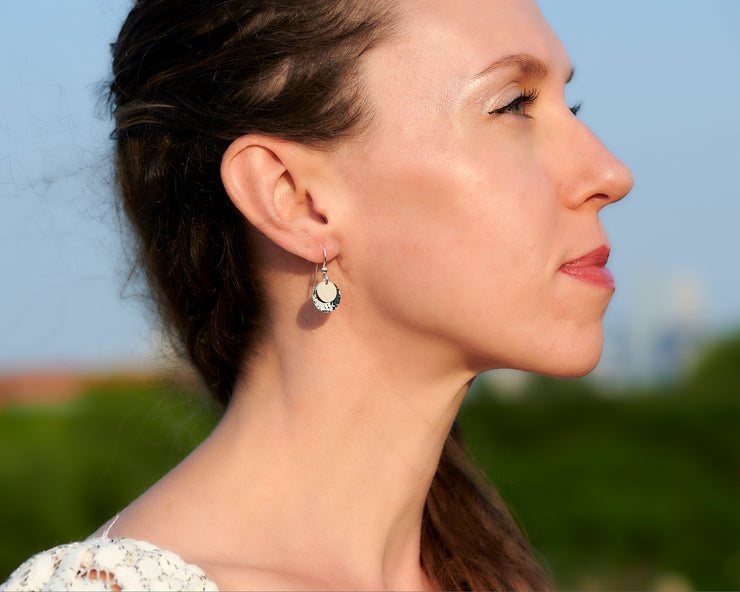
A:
596, 258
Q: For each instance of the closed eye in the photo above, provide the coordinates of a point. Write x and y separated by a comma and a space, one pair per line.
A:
518, 105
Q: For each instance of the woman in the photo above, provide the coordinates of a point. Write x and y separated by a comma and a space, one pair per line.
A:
347, 211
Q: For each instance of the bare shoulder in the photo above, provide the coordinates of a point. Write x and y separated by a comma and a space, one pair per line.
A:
239, 577
224, 575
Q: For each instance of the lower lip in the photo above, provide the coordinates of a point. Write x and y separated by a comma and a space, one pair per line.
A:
591, 274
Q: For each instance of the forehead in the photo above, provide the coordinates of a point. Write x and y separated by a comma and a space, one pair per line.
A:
449, 41
480, 24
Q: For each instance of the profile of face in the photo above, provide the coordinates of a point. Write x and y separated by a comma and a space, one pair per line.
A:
470, 205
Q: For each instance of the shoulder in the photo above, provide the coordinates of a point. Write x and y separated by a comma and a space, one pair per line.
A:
108, 564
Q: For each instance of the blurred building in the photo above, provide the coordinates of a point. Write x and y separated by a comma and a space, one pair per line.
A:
660, 338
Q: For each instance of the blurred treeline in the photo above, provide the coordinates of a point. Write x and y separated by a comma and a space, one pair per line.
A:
617, 489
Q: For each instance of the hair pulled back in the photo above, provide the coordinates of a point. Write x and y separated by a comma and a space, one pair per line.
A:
190, 77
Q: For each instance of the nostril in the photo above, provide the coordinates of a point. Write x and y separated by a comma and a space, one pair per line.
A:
600, 199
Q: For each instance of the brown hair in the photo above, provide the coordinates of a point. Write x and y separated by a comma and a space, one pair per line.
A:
191, 76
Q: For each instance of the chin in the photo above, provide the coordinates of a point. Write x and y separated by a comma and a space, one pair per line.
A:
575, 372
579, 359
572, 359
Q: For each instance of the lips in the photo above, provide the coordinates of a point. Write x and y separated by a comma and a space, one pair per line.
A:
590, 268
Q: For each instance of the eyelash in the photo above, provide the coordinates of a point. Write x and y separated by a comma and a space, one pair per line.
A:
528, 97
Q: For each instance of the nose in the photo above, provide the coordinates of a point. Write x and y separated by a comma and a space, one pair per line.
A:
596, 176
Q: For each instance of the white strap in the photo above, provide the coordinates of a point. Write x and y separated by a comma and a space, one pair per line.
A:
110, 525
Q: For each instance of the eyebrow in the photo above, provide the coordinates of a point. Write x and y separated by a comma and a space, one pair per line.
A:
528, 65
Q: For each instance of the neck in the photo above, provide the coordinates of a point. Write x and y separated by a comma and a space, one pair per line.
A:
331, 444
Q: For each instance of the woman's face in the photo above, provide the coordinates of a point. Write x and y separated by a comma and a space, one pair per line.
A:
472, 201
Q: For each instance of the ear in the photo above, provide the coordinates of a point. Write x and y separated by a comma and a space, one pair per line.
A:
269, 181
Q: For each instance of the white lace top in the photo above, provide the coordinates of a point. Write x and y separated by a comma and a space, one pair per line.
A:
103, 563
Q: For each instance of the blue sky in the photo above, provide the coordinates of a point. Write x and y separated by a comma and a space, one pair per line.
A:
658, 80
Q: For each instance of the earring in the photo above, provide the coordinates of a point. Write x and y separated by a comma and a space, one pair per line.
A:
325, 294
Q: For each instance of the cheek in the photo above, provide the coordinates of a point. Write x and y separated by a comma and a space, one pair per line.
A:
455, 230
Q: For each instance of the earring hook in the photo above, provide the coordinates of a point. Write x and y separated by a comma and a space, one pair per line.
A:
323, 270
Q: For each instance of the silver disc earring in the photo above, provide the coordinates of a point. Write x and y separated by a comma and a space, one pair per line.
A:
325, 294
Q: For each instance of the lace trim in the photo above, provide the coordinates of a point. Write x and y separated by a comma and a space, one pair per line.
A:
110, 565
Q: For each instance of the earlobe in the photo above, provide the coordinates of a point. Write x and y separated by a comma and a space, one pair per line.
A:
267, 181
